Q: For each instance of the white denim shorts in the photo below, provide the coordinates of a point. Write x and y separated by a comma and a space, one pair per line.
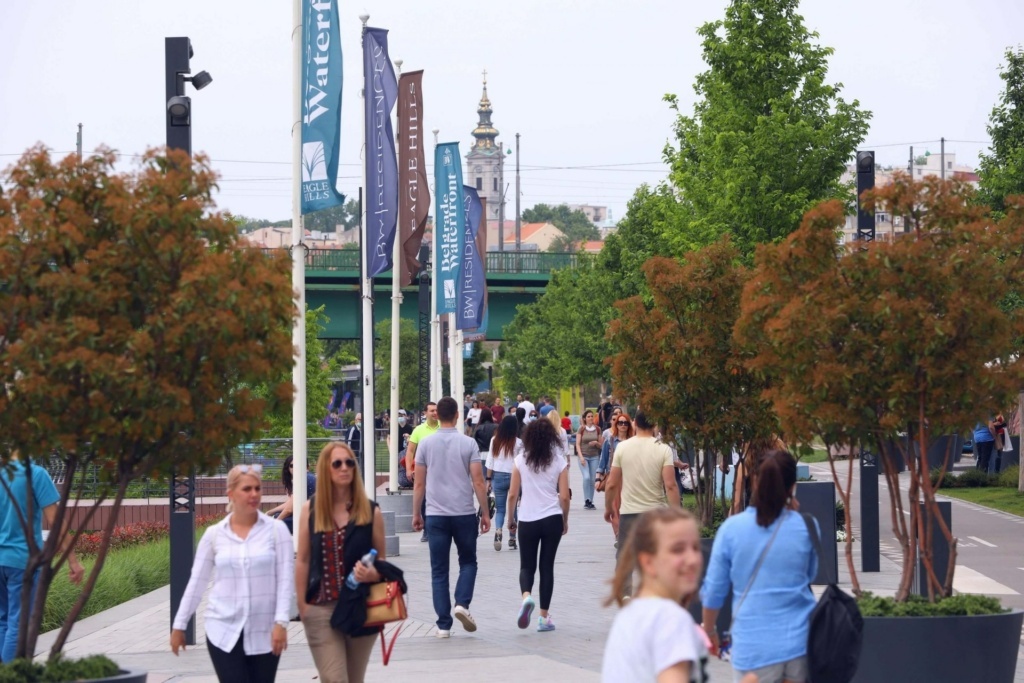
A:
794, 670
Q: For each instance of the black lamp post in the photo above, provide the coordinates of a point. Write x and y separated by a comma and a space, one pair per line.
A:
178, 52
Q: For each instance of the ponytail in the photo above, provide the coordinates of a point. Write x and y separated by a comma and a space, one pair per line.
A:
776, 476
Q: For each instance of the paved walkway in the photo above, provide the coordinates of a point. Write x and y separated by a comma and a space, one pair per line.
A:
136, 634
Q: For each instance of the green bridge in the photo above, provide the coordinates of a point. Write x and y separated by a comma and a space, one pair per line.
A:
513, 278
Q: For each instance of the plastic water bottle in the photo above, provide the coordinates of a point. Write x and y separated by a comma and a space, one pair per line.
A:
367, 561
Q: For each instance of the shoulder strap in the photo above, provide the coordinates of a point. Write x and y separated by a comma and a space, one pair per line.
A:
815, 537
757, 567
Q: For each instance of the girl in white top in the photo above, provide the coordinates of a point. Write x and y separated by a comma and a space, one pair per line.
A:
505, 446
653, 638
542, 473
556, 421
251, 558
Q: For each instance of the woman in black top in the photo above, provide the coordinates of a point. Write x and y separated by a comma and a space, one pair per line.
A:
337, 527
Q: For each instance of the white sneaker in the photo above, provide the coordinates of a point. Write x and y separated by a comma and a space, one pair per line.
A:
463, 615
444, 633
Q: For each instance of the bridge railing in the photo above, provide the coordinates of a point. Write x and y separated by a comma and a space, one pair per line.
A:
521, 262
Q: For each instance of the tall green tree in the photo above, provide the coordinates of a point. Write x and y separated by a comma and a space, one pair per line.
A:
558, 341
318, 383
769, 137
1001, 171
574, 225
408, 365
337, 218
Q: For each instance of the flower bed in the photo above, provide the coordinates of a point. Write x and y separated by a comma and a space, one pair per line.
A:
131, 535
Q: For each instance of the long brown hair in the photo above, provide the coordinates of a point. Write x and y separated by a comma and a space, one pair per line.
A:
323, 516
776, 476
643, 538
504, 442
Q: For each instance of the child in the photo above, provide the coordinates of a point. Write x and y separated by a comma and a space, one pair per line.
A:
653, 638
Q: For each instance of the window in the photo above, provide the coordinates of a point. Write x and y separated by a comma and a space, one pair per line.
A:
479, 183
495, 188
949, 164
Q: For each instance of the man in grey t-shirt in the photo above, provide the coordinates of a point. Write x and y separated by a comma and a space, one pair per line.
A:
449, 472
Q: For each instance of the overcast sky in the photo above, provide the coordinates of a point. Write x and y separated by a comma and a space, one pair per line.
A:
581, 80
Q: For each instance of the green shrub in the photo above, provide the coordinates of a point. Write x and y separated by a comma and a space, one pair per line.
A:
1009, 477
973, 478
948, 480
917, 606
60, 669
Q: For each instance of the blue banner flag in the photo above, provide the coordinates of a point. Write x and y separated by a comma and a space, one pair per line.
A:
471, 274
321, 105
449, 224
381, 90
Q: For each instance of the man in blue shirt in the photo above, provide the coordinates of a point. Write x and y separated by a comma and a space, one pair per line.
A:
14, 545
984, 440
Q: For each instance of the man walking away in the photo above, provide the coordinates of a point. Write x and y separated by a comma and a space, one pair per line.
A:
422, 431
449, 473
642, 478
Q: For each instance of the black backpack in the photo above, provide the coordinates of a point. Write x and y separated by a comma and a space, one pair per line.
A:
836, 632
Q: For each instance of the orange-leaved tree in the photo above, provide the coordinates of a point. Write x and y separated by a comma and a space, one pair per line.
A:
860, 345
677, 360
132, 324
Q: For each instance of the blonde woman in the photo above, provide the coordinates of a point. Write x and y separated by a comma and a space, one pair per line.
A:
337, 527
250, 558
563, 436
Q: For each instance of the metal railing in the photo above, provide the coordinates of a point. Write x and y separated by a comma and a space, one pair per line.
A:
270, 453
519, 262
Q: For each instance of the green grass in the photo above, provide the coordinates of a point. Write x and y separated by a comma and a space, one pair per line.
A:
126, 575
1005, 499
816, 456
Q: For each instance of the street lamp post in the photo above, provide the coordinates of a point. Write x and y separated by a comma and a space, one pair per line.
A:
177, 53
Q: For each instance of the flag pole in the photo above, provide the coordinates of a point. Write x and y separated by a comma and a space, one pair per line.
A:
435, 319
298, 270
368, 439
396, 306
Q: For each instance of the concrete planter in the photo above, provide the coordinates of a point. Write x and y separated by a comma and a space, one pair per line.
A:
696, 608
976, 648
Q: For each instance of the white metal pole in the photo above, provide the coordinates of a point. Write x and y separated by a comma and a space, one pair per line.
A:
298, 274
458, 384
396, 305
435, 319
453, 349
369, 436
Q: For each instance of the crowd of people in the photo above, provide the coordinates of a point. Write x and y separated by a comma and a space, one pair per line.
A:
762, 557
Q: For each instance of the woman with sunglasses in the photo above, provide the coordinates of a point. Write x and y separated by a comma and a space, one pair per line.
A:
588, 450
621, 429
285, 510
337, 527
249, 556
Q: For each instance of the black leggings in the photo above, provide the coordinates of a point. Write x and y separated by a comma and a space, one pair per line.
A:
238, 667
544, 534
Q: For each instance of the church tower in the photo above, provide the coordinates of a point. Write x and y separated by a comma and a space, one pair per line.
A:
485, 159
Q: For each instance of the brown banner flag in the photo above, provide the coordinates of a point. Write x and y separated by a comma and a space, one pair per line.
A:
413, 190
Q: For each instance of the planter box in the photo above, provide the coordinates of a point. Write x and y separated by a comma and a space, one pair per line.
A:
696, 608
978, 648
818, 499
133, 676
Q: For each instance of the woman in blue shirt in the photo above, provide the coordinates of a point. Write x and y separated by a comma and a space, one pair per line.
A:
770, 609
984, 440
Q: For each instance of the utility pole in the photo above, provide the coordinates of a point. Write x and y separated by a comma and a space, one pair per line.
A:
78, 145
910, 163
942, 158
518, 216
501, 199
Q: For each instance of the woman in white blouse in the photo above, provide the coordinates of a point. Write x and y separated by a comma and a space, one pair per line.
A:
505, 446
251, 558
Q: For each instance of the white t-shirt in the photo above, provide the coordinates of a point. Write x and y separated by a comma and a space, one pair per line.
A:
527, 406
539, 490
474, 416
648, 636
505, 462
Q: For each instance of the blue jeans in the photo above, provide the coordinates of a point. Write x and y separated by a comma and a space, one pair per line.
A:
441, 531
589, 471
11, 581
500, 483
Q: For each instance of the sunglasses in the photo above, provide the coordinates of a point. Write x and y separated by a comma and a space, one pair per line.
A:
347, 462
250, 469
622, 423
